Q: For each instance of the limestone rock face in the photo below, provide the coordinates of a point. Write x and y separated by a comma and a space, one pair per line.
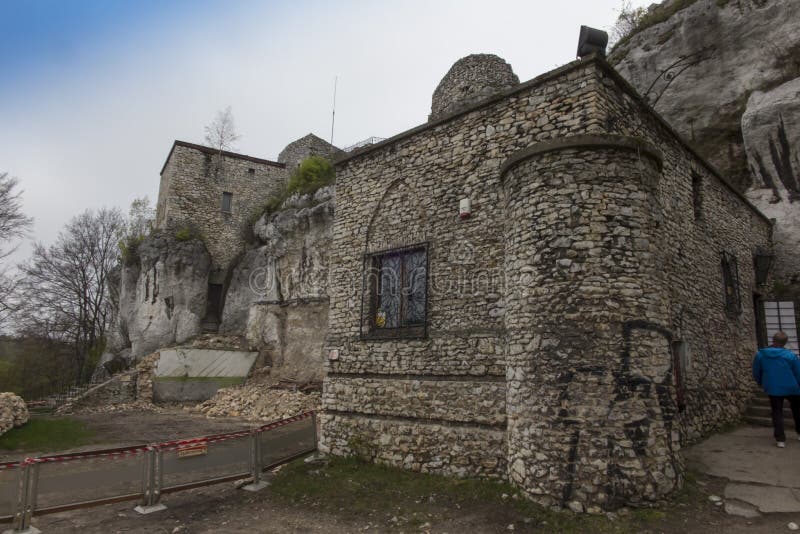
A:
731, 48
733, 93
13, 412
282, 286
771, 128
469, 80
162, 297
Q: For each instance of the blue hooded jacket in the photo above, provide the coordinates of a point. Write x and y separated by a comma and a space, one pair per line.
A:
777, 370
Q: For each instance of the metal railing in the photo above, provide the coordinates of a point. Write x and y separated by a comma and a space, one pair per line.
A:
366, 142
57, 483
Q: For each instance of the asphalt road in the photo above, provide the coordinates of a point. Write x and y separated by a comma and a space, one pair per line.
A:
61, 483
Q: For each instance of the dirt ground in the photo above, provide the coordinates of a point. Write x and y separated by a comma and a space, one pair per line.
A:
224, 508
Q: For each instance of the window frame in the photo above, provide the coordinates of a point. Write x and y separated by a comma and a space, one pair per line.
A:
697, 196
228, 195
370, 296
730, 279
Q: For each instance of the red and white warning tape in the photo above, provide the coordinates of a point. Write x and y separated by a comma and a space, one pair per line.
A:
166, 446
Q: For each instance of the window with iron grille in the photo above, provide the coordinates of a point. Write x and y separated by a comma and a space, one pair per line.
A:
397, 288
730, 279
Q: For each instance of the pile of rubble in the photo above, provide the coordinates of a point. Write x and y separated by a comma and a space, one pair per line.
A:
220, 342
146, 370
13, 412
261, 402
136, 406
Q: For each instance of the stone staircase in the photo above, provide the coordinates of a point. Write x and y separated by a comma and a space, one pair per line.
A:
758, 411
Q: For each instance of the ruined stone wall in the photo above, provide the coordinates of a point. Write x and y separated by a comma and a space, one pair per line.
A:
406, 191
470, 80
689, 246
191, 196
310, 145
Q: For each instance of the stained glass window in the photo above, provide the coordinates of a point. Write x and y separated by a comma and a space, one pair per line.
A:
398, 292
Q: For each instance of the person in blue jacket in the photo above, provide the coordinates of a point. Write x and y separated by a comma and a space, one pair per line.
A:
777, 370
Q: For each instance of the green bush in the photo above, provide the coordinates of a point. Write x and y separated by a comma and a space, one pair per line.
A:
129, 248
184, 234
314, 172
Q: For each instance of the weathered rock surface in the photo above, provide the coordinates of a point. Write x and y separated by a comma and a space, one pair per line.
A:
162, 297
733, 92
259, 402
734, 47
771, 128
278, 292
13, 412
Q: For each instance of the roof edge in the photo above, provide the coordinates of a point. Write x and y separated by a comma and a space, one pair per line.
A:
587, 141
587, 60
469, 109
208, 150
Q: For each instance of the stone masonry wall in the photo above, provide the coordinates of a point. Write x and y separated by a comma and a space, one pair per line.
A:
587, 427
719, 346
191, 195
470, 80
568, 288
406, 191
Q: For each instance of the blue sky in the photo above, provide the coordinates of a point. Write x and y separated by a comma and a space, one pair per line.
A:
92, 92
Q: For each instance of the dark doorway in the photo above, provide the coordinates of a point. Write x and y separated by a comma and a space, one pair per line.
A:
214, 303
758, 317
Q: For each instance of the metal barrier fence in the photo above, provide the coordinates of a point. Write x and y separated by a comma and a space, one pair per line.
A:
49, 484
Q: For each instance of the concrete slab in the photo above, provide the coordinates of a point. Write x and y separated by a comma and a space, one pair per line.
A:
189, 362
748, 455
768, 499
741, 509
144, 510
188, 374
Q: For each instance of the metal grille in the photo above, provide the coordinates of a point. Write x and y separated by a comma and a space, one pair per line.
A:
780, 316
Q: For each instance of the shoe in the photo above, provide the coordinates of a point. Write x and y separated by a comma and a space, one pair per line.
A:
781, 444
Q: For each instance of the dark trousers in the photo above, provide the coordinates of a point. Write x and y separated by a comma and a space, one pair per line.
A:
776, 403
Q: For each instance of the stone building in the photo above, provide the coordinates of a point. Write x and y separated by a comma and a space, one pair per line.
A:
546, 285
218, 195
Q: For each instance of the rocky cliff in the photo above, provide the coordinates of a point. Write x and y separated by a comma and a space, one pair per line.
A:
726, 75
162, 293
276, 295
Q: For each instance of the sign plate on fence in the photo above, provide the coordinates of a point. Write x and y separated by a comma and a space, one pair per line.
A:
194, 449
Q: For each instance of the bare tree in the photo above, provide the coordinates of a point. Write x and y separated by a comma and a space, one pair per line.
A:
65, 286
628, 20
141, 217
221, 135
14, 224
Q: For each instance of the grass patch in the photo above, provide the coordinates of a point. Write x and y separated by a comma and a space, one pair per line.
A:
47, 434
400, 499
223, 381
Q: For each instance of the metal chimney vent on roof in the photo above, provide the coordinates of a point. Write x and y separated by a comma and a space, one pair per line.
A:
592, 40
